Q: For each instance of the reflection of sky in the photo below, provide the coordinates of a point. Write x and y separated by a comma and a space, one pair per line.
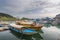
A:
30, 8
51, 33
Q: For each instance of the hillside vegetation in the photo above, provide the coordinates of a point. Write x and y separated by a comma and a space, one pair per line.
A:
6, 17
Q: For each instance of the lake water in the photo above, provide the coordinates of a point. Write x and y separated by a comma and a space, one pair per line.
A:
49, 33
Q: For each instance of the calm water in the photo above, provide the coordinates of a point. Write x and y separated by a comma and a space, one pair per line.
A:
49, 33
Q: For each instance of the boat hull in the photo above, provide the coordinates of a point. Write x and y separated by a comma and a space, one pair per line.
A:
25, 31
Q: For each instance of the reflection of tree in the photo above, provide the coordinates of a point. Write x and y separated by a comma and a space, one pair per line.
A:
37, 36
58, 26
47, 25
26, 37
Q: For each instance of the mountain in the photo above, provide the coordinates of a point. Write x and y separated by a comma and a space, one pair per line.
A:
4, 16
56, 20
58, 16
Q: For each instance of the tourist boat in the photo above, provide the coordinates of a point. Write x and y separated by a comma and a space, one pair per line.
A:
21, 29
25, 28
30, 25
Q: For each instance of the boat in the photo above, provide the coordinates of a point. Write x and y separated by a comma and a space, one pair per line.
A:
22, 30
25, 27
30, 25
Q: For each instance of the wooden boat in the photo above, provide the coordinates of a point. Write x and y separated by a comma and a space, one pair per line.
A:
30, 25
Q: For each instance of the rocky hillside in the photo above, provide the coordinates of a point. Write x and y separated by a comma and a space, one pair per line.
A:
4, 16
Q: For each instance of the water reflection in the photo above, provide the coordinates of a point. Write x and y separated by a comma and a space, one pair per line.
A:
47, 25
51, 33
48, 32
58, 26
27, 37
50, 25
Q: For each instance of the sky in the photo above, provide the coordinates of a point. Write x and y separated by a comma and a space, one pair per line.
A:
30, 8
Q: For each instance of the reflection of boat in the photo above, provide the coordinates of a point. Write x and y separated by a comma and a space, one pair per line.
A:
27, 28
21, 36
26, 37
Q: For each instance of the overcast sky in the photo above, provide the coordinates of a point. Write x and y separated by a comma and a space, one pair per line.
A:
30, 8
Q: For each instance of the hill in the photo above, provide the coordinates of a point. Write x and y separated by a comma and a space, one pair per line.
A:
4, 17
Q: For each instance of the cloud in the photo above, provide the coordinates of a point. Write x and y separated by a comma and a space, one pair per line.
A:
30, 8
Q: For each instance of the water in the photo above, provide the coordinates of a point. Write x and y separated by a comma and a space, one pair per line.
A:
49, 33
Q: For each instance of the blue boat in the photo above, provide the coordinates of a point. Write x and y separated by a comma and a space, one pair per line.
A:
24, 31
